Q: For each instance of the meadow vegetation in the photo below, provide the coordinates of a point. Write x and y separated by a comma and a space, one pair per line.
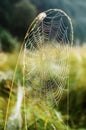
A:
39, 115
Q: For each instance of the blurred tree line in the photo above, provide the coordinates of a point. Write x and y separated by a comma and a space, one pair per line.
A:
16, 15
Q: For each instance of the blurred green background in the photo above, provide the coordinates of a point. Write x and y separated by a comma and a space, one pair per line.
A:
17, 15
15, 18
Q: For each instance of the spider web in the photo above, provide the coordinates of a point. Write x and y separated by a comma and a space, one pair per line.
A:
45, 60
46, 55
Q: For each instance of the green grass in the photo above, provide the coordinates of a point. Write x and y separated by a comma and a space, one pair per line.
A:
39, 115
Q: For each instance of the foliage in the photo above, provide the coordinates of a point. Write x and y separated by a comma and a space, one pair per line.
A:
8, 43
16, 15
77, 89
40, 116
23, 14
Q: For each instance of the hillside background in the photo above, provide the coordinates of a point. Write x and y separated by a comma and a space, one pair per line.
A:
17, 15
